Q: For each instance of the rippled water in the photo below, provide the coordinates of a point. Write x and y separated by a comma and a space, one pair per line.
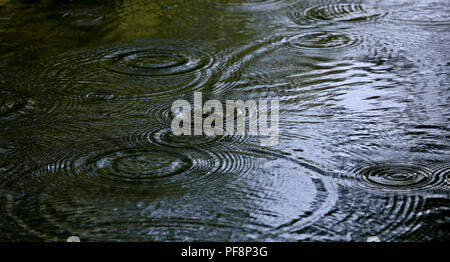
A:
86, 147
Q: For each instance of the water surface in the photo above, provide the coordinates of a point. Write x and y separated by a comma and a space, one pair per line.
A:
86, 147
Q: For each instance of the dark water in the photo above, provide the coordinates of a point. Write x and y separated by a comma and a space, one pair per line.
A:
86, 147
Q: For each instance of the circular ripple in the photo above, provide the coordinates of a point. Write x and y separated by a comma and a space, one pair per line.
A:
254, 200
135, 165
398, 176
249, 4
321, 40
147, 164
338, 12
231, 2
88, 17
119, 76
161, 112
158, 61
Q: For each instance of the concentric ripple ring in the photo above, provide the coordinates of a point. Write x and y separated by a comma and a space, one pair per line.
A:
338, 12
132, 165
399, 176
321, 40
88, 17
